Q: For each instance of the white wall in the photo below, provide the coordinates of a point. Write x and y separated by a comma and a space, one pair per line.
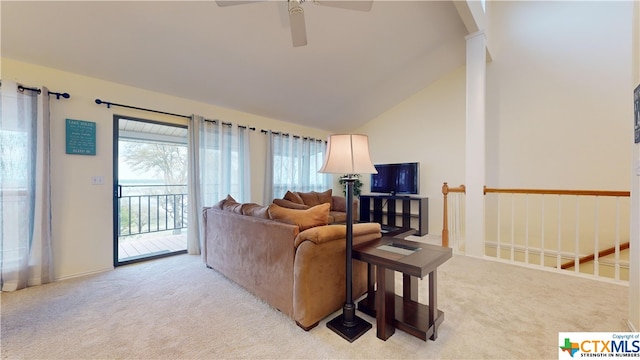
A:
429, 128
82, 213
558, 105
558, 94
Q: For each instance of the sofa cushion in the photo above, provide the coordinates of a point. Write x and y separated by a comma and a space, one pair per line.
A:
220, 203
313, 198
309, 198
337, 216
255, 210
232, 207
290, 204
293, 197
230, 204
325, 197
304, 219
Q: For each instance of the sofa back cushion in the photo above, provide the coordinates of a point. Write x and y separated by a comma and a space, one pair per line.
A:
255, 210
221, 203
313, 198
290, 204
304, 219
230, 204
325, 197
293, 197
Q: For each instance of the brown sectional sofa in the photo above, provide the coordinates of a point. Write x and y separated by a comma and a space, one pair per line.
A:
290, 263
306, 200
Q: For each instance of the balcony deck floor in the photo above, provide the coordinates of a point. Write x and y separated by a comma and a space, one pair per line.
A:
140, 246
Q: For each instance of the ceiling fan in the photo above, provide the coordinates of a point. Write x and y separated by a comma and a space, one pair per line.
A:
296, 14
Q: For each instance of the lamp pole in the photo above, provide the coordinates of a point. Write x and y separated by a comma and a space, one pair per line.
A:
348, 154
348, 325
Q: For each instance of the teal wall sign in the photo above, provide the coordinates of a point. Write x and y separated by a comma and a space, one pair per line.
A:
81, 137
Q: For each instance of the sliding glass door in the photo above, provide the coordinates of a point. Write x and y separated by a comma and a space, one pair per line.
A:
150, 189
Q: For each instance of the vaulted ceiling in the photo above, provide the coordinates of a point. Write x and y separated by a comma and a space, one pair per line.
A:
355, 66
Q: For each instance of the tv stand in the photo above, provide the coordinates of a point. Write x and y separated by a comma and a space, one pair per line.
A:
420, 214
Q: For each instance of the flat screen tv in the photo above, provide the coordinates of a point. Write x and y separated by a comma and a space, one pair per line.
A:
394, 179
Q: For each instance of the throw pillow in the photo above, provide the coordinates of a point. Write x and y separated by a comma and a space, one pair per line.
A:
294, 197
290, 204
310, 198
325, 197
230, 204
255, 210
304, 219
220, 203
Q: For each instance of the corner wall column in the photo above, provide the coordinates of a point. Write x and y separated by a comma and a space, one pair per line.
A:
475, 152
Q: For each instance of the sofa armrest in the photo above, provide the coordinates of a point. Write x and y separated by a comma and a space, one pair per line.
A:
320, 271
326, 233
338, 203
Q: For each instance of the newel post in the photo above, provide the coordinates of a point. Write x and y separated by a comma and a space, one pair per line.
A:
445, 215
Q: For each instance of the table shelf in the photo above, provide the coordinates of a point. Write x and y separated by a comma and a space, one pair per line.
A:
410, 316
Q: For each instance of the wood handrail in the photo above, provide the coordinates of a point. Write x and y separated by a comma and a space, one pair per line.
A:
558, 192
445, 218
601, 253
462, 189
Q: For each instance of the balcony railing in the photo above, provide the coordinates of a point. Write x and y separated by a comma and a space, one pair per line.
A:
151, 208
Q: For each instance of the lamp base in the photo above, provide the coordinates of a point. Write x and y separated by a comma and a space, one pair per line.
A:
349, 333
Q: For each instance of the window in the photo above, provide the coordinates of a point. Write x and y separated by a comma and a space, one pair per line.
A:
296, 161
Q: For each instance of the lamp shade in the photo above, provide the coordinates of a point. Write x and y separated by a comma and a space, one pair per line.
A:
348, 154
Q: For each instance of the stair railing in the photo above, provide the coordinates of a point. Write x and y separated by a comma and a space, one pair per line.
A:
557, 236
457, 213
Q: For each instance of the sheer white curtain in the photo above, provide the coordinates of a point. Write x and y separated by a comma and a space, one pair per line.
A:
292, 164
219, 165
25, 204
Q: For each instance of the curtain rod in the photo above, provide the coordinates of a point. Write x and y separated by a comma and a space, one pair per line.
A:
39, 91
287, 135
230, 124
110, 104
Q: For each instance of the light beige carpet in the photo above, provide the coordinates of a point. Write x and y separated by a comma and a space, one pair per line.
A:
176, 308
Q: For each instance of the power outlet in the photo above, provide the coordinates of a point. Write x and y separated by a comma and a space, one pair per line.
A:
97, 180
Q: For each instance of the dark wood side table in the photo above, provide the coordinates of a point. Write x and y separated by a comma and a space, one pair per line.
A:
414, 260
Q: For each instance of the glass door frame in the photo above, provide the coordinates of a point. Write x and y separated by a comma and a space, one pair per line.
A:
117, 192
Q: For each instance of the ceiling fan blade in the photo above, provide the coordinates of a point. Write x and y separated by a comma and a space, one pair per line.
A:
296, 21
235, 2
360, 5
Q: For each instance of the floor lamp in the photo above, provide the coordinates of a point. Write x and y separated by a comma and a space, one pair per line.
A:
348, 154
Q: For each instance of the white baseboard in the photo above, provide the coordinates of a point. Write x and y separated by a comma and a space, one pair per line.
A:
84, 274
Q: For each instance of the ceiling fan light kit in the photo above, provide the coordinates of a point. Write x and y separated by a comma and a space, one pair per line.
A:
296, 13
